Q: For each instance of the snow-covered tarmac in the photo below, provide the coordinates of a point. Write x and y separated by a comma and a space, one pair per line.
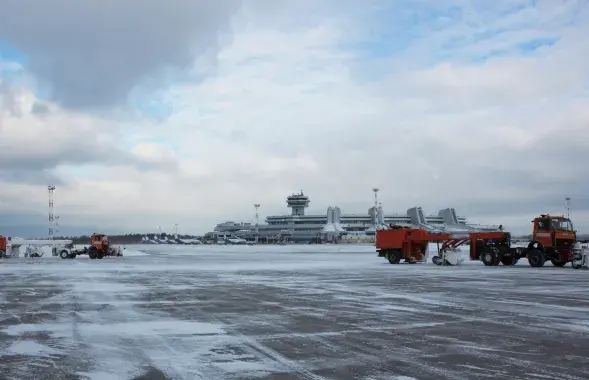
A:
288, 312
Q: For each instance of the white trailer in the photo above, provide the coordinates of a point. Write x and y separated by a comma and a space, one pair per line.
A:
62, 247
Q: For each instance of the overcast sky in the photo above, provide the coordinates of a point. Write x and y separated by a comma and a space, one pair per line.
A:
147, 113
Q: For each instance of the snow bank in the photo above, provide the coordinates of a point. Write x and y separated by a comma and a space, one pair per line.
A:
130, 250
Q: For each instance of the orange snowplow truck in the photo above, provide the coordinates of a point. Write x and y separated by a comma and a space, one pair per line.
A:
553, 238
99, 246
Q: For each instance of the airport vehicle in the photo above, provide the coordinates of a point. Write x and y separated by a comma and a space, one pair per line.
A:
99, 247
580, 256
10, 247
412, 244
553, 238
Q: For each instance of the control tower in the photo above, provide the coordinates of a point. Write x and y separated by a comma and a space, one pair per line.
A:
298, 203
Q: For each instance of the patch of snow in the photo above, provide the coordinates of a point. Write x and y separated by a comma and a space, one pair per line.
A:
150, 328
31, 348
129, 250
55, 330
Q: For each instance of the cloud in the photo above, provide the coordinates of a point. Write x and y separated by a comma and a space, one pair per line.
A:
481, 107
93, 54
38, 140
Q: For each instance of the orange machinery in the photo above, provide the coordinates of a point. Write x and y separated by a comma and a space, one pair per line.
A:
100, 247
3, 244
411, 245
553, 238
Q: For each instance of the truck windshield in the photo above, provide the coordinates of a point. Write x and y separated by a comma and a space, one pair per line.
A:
562, 224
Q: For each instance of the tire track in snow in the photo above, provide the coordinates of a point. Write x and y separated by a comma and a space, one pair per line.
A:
255, 345
265, 350
375, 356
34, 335
135, 356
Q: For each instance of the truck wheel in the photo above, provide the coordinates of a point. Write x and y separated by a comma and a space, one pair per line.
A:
489, 257
436, 260
577, 264
558, 263
99, 255
536, 258
64, 254
394, 257
92, 252
508, 260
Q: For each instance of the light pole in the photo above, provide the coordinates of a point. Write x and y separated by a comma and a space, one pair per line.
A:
176, 230
567, 202
257, 206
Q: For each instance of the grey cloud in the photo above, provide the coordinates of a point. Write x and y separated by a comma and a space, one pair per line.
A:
40, 109
530, 179
93, 53
35, 167
475, 178
29, 177
533, 205
31, 158
8, 101
23, 224
33, 163
34, 224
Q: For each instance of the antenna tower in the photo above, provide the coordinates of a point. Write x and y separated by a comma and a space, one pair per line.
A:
257, 206
51, 190
567, 201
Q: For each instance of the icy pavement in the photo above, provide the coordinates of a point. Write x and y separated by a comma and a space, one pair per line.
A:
288, 312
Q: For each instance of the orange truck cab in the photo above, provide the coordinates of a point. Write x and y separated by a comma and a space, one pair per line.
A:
100, 241
555, 237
